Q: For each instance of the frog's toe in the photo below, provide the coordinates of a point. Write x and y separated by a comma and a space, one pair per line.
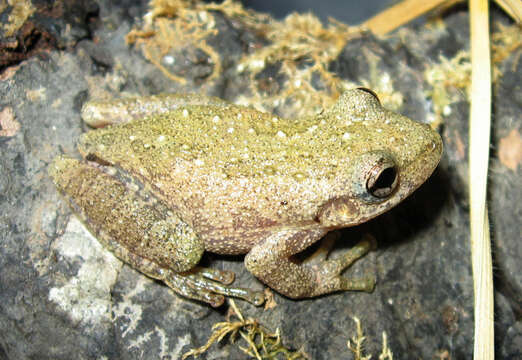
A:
336, 266
258, 298
366, 283
329, 272
189, 287
339, 283
199, 284
214, 300
371, 240
324, 249
222, 276
209, 297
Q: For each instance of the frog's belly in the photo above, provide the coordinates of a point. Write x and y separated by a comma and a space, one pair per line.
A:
231, 231
224, 243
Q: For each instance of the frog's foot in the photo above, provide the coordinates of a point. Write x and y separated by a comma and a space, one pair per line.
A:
202, 284
321, 254
271, 262
209, 285
329, 272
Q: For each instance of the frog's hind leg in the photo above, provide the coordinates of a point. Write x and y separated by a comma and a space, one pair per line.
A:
141, 230
102, 113
202, 284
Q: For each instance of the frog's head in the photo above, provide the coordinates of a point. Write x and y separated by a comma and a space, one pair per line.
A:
389, 157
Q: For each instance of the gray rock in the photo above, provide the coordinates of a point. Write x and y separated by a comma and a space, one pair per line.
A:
63, 296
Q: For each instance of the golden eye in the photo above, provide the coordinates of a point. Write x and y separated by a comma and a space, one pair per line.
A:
382, 179
376, 176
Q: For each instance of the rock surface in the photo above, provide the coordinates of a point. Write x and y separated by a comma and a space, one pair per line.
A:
63, 296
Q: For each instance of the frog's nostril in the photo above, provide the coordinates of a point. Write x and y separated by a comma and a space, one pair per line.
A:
382, 181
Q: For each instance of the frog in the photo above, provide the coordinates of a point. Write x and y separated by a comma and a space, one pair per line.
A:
165, 178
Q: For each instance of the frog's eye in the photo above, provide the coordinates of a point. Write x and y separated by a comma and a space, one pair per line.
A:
382, 180
376, 176
371, 92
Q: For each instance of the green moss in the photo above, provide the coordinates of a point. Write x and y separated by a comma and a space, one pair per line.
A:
261, 343
21, 10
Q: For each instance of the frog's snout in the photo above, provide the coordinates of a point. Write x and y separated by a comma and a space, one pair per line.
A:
434, 148
425, 162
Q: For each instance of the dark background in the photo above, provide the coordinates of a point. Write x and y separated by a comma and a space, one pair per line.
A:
351, 12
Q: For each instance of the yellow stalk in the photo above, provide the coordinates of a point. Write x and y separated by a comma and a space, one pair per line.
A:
479, 128
512, 7
407, 10
402, 13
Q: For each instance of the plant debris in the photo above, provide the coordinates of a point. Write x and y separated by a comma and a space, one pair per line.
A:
261, 343
450, 78
356, 345
299, 47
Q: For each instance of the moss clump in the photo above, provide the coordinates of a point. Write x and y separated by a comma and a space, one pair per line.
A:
451, 78
261, 343
20, 11
355, 345
299, 51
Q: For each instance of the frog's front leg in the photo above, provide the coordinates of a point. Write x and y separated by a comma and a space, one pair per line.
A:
271, 262
126, 217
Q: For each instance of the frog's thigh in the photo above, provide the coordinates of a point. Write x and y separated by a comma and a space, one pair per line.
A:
270, 261
121, 212
142, 232
102, 113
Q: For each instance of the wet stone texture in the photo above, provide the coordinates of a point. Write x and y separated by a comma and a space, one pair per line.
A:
64, 296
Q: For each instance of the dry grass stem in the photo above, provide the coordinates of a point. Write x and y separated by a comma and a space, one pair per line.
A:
513, 8
402, 13
407, 10
480, 123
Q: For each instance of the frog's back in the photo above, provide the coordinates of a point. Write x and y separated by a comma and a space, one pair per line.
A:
233, 140
230, 171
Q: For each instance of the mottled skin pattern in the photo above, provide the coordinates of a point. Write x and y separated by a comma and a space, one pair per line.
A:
181, 174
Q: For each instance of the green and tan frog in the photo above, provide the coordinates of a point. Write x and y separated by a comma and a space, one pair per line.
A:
176, 175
